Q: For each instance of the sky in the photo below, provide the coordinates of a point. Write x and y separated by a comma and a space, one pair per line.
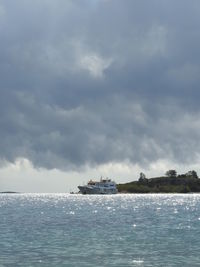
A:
92, 88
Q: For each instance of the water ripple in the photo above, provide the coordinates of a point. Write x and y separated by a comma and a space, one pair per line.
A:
120, 230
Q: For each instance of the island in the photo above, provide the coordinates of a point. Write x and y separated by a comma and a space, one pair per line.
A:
169, 183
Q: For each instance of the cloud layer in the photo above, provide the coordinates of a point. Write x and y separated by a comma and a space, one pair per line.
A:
86, 83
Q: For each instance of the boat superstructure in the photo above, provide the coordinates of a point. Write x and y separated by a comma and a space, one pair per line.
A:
104, 186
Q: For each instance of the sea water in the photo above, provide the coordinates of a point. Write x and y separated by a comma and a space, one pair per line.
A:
88, 230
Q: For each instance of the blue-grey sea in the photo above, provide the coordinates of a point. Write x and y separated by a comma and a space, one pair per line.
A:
88, 230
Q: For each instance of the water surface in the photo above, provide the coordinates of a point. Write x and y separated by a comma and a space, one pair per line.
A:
119, 230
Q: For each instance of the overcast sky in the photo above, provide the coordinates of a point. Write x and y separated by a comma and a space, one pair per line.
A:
97, 87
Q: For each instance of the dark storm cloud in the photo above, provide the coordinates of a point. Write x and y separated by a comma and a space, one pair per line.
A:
91, 82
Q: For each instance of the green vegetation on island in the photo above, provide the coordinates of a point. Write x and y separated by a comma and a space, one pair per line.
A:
170, 183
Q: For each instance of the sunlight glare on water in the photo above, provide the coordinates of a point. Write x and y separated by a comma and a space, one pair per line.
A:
115, 230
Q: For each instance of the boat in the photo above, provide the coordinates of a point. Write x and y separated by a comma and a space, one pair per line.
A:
102, 187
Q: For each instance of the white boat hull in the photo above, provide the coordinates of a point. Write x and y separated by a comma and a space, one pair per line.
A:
96, 191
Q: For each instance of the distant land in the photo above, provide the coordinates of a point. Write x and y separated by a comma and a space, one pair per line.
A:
170, 183
9, 192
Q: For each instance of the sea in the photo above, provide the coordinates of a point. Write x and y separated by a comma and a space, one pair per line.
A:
55, 230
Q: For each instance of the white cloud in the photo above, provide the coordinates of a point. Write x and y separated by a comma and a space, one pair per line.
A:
94, 64
21, 176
